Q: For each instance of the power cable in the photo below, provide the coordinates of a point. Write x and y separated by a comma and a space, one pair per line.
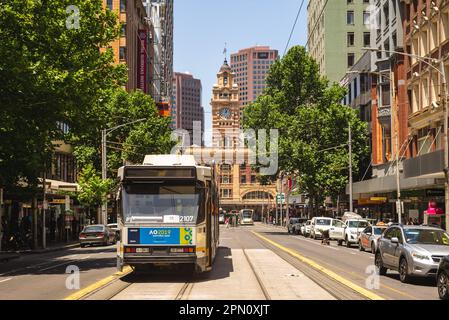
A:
294, 26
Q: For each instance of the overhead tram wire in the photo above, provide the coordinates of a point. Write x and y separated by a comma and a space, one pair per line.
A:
294, 26
316, 22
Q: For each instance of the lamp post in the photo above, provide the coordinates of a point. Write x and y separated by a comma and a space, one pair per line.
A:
444, 94
104, 165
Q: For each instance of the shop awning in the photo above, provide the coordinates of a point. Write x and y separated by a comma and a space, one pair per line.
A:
388, 184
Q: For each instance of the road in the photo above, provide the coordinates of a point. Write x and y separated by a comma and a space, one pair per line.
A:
253, 263
43, 276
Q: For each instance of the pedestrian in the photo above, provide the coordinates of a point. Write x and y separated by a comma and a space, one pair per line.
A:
227, 223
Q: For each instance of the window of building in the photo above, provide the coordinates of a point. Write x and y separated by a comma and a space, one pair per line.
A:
122, 5
226, 193
349, 1
366, 39
123, 31
122, 53
350, 17
243, 179
351, 39
366, 18
351, 59
424, 141
109, 4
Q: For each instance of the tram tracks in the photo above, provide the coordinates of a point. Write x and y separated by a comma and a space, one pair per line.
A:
253, 269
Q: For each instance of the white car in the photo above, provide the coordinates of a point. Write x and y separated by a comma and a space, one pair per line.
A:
348, 231
305, 228
318, 225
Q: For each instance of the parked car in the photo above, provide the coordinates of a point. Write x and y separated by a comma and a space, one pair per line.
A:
291, 223
305, 228
114, 227
318, 225
443, 279
347, 231
412, 251
297, 226
97, 234
369, 237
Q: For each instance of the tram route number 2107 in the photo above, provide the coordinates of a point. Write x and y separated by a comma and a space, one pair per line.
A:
186, 219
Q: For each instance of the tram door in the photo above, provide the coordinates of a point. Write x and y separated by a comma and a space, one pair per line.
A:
208, 224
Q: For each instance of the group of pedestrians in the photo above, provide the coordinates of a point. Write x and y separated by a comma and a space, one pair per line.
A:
234, 221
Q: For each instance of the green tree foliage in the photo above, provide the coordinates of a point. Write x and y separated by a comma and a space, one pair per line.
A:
50, 74
93, 189
313, 125
129, 143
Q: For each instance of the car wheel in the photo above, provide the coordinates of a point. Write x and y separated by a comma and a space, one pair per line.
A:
403, 271
443, 287
380, 269
82, 245
373, 248
340, 242
348, 244
361, 248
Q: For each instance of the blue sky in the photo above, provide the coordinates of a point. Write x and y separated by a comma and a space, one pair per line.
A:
203, 26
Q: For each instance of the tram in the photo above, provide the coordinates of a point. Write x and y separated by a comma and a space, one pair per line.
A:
246, 217
168, 214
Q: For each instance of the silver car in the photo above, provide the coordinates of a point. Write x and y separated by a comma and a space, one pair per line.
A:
412, 251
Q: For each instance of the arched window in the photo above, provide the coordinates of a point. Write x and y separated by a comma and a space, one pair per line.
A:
258, 195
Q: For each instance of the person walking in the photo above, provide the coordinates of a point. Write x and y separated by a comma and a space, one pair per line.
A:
227, 223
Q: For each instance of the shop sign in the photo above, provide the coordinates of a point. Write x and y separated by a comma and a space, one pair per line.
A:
57, 201
379, 199
435, 193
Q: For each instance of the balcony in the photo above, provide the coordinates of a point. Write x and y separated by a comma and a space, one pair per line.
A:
430, 164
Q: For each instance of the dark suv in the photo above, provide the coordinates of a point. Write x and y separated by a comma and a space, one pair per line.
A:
411, 250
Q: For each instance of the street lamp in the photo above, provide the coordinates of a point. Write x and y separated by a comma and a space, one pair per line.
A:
441, 70
104, 166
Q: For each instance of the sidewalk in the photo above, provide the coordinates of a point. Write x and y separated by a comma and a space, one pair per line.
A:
10, 255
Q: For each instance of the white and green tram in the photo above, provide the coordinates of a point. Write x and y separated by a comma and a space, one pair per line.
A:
168, 214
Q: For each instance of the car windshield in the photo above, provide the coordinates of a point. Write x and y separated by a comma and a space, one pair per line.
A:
293, 221
166, 203
323, 222
357, 224
94, 229
378, 231
426, 236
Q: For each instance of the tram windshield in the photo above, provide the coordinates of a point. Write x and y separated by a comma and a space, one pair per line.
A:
164, 203
247, 214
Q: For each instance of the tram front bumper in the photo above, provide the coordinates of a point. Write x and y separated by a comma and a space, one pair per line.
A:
139, 258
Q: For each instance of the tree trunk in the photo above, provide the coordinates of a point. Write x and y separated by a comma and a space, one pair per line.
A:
34, 210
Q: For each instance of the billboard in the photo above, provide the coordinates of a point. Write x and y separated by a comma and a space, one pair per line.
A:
142, 82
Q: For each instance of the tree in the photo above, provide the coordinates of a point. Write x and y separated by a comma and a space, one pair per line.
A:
129, 143
93, 189
50, 73
312, 123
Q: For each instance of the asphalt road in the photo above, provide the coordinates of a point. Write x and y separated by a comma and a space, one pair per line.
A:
43, 276
352, 264
261, 261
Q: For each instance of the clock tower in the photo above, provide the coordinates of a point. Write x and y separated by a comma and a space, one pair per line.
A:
225, 109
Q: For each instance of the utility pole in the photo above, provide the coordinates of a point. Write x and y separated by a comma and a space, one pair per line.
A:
44, 208
395, 127
446, 141
104, 166
351, 202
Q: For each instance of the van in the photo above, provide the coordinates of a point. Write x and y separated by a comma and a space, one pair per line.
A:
318, 225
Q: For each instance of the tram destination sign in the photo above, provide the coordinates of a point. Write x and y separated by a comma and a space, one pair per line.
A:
155, 173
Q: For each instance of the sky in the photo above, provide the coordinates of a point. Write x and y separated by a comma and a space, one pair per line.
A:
202, 27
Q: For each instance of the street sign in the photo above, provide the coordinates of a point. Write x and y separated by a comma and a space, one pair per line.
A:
280, 197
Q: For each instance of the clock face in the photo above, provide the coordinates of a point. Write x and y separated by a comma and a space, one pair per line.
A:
225, 113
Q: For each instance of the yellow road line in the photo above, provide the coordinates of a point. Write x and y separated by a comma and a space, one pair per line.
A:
97, 285
366, 293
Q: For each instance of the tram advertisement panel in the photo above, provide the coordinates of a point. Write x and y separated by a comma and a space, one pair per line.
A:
161, 236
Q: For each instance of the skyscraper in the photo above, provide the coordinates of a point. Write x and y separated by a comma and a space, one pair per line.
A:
186, 105
251, 67
337, 33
